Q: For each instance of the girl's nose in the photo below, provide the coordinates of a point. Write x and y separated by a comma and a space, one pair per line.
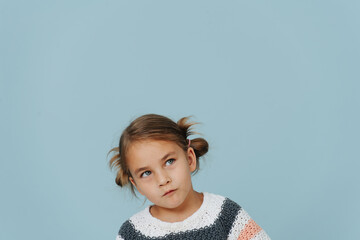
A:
163, 179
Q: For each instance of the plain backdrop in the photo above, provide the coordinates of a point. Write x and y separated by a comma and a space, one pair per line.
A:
275, 85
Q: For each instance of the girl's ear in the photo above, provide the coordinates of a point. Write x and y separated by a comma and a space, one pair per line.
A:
132, 181
191, 159
134, 184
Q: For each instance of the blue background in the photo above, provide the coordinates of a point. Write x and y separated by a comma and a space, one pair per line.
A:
274, 83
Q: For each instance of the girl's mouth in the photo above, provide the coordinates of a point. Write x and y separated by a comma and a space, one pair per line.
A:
169, 192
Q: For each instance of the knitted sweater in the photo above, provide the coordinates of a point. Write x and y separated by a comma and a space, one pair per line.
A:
217, 218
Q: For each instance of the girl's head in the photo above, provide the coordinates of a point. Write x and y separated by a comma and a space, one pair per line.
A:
155, 155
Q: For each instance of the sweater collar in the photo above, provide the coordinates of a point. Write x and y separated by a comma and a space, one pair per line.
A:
147, 215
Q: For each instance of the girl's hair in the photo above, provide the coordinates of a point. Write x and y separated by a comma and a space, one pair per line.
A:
154, 127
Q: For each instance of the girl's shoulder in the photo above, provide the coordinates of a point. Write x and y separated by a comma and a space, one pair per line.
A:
130, 226
240, 223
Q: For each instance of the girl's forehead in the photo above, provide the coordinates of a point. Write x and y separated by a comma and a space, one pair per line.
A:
150, 150
151, 146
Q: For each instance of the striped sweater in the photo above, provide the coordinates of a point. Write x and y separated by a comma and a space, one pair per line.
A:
217, 218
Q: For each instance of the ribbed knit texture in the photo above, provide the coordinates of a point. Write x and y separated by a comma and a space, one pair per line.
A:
217, 218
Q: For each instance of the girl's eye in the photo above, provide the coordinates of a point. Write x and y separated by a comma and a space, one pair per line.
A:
145, 174
170, 161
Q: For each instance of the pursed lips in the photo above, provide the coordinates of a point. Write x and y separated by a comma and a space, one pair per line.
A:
169, 192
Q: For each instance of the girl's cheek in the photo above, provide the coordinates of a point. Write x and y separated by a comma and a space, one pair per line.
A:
173, 166
146, 180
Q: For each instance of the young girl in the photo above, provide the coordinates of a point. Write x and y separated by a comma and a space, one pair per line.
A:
156, 157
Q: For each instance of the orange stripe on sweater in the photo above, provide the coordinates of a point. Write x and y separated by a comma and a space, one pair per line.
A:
251, 228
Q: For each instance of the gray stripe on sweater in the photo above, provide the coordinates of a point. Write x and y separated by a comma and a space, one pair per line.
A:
219, 230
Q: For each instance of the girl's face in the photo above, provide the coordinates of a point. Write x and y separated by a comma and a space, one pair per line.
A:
158, 167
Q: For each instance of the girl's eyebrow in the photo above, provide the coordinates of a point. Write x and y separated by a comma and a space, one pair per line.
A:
146, 167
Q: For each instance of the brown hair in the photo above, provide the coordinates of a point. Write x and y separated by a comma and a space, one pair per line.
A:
156, 127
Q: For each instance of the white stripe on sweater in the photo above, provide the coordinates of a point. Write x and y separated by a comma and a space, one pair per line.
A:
241, 220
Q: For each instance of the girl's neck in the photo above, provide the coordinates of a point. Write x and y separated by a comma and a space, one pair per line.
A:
191, 204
